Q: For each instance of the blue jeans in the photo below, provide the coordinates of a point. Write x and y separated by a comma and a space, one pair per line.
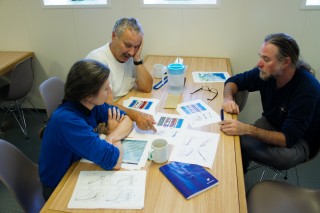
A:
280, 158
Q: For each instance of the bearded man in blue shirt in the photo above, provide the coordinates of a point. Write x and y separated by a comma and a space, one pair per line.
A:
290, 94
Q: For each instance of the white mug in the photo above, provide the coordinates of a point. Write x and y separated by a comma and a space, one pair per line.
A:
159, 151
158, 70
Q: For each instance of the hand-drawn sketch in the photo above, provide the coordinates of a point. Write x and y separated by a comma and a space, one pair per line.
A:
195, 147
109, 189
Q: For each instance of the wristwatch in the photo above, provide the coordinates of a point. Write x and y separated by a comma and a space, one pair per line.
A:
138, 62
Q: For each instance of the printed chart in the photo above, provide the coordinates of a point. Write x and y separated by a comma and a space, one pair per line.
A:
206, 77
198, 113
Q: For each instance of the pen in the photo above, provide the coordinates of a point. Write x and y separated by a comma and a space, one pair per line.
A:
222, 115
161, 83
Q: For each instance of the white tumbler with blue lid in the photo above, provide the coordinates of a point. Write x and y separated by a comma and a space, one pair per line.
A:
176, 78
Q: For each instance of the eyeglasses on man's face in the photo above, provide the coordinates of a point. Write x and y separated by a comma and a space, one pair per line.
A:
206, 88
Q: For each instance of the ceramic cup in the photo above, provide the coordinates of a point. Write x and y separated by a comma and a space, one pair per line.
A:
159, 151
158, 70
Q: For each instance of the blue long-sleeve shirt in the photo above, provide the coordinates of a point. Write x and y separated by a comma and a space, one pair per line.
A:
293, 109
70, 135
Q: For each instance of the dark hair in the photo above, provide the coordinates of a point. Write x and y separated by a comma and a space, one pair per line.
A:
127, 23
85, 79
287, 47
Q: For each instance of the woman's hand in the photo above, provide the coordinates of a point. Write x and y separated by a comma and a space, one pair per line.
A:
114, 118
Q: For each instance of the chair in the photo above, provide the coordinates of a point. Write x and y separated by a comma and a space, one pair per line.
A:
52, 92
241, 99
20, 176
279, 197
313, 153
13, 95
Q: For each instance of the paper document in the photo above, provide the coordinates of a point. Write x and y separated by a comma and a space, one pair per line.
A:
142, 104
135, 152
167, 125
203, 77
198, 113
195, 147
109, 189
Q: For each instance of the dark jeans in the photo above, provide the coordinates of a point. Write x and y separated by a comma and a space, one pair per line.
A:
277, 157
46, 192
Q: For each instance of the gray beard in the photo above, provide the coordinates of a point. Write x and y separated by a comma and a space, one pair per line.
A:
264, 77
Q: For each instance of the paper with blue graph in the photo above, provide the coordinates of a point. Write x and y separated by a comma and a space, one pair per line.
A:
198, 113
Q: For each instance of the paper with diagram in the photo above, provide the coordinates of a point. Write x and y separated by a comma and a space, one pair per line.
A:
206, 77
145, 105
167, 126
135, 152
198, 113
195, 147
109, 190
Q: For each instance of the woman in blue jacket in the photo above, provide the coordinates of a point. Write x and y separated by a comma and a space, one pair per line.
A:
71, 132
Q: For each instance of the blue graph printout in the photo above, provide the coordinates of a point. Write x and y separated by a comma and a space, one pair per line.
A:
193, 108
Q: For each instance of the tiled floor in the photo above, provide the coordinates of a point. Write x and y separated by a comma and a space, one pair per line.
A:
308, 173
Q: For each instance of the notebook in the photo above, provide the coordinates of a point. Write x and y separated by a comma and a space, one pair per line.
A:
189, 179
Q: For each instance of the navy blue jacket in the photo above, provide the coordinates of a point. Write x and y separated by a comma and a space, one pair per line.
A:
293, 109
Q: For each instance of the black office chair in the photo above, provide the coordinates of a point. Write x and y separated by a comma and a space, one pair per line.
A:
20, 176
14, 94
278, 197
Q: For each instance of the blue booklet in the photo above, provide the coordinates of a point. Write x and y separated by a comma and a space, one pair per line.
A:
189, 179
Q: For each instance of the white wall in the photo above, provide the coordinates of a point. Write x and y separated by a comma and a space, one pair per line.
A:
59, 37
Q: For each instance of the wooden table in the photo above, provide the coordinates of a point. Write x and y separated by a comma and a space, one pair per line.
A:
161, 196
8, 60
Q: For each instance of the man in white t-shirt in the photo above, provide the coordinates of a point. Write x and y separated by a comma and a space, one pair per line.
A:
123, 57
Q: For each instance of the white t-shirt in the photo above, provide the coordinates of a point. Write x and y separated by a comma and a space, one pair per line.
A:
122, 75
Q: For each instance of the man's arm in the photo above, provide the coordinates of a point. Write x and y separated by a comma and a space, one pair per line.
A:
229, 105
144, 80
143, 120
235, 127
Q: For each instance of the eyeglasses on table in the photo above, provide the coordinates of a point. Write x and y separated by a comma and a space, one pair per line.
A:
206, 88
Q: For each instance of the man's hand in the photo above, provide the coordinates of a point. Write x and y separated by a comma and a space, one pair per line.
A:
230, 106
137, 55
233, 127
144, 121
